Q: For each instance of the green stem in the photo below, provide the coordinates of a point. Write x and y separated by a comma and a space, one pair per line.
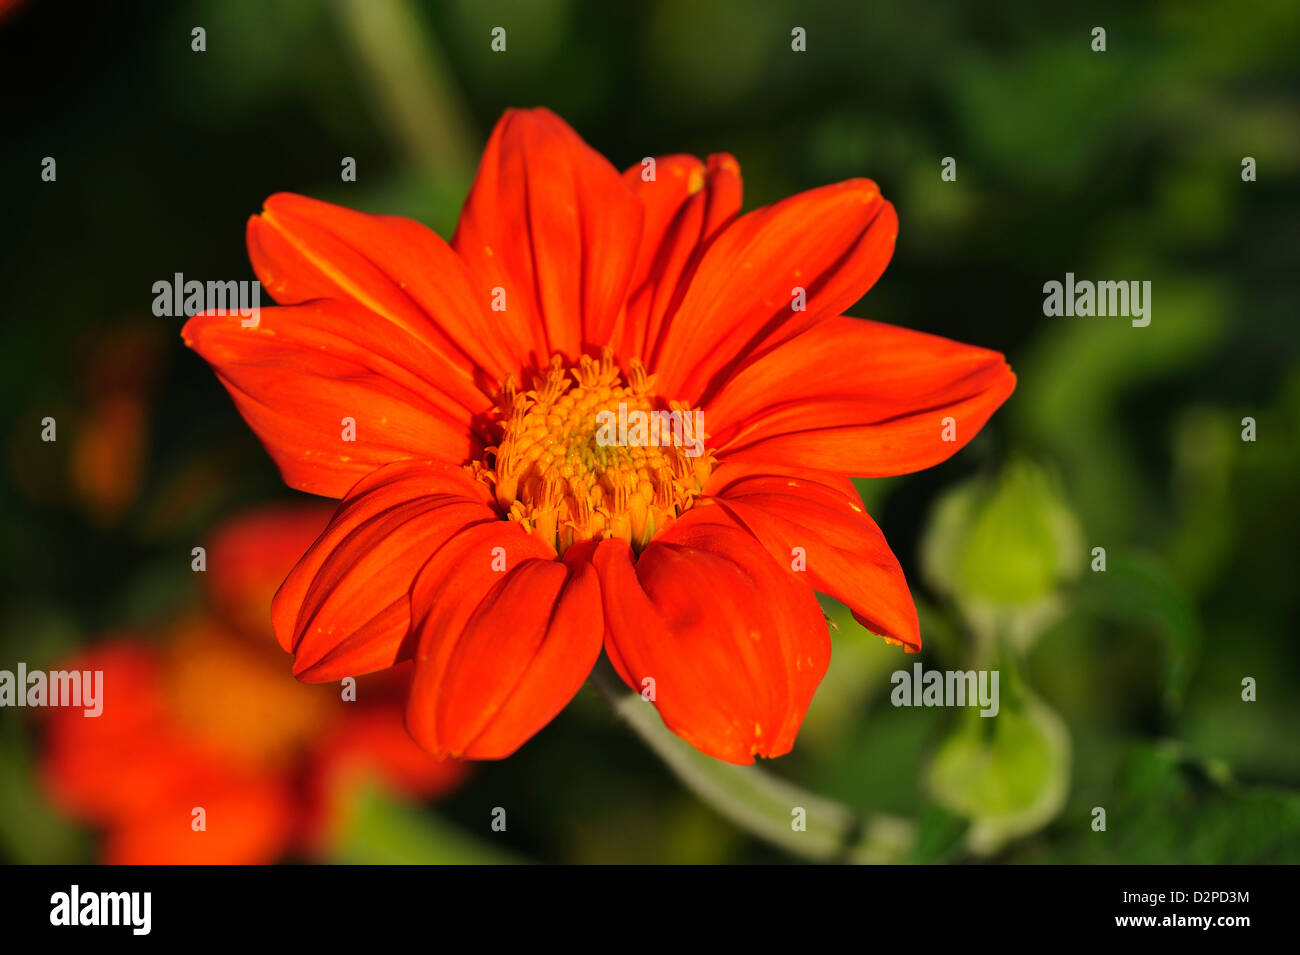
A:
757, 801
410, 83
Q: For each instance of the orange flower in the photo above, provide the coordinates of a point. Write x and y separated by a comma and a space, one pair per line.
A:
209, 720
111, 441
490, 534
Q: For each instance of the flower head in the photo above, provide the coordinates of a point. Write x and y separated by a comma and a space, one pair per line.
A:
492, 532
207, 720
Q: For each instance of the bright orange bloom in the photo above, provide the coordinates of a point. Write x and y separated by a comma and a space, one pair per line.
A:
490, 534
208, 719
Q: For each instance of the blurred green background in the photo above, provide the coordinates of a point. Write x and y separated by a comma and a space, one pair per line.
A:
1120, 690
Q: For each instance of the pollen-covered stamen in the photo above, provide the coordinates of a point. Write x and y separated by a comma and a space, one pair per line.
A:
589, 454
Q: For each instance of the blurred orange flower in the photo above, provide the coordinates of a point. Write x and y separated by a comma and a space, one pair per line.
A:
452, 396
8, 7
207, 751
118, 374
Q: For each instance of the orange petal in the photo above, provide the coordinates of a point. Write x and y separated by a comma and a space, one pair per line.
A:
843, 553
249, 821
125, 759
858, 397
734, 644
303, 249
501, 651
375, 741
345, 608
832, 242
550, 221
686, 204
303, 369
133, 771
250, 556
370, 745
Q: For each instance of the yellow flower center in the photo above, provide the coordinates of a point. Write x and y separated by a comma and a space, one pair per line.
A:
589, 454
238, 698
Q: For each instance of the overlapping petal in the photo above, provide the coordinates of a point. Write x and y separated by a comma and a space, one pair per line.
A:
304, 249
734, 644
507, 635
551, 222
305, 372
832, 242
345, 608
686, 204
815, 524
250, 556
860, 398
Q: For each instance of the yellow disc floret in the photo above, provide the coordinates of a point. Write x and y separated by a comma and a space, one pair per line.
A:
587, 454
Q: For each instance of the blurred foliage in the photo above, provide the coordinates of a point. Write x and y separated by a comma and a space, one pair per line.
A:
385, 831
1008, 773
1127, 683
1163, 807
1001, 548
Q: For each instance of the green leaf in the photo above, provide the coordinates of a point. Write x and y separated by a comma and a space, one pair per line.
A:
1138, 589
939, 836
386, 831
1164, 807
